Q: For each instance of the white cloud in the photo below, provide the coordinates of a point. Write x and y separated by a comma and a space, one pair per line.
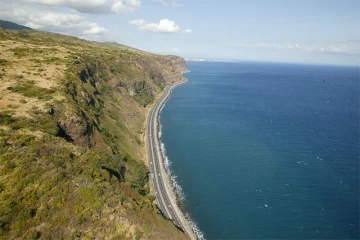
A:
175, 4
95, 29
164, 26
71, 24
188, 31
166, 3
175, 50
163, 2
347, 47
137, 22
93, 6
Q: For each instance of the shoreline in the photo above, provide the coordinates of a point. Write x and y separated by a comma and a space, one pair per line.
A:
176, 188
173, 195
178, 192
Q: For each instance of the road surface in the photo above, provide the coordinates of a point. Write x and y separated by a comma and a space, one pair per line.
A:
161, 182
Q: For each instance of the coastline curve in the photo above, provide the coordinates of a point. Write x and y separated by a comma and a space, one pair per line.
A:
161, 180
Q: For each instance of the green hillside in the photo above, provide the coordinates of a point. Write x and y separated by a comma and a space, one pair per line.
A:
12, 26
72, 138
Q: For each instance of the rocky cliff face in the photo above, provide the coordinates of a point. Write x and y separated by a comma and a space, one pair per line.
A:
72, 150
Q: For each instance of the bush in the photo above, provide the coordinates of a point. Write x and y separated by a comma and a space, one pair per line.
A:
28, 89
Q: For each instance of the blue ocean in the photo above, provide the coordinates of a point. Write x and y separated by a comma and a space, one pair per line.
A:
265, 150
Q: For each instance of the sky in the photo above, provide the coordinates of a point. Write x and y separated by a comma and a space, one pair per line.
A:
293, 31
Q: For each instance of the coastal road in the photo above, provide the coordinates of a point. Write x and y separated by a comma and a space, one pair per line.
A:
161, 182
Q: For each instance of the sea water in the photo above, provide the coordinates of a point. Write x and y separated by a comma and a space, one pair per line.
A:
266, 151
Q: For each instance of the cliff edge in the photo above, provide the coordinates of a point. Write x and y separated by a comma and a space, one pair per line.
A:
72, 138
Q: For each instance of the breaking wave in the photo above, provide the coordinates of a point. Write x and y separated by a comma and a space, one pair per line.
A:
177, 188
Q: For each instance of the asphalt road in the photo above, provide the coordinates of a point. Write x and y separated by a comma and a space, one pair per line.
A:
164, 194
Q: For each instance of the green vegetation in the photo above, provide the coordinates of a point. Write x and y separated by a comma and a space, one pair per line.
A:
144, 97
24, 51
4, 62
72, 155
28, 89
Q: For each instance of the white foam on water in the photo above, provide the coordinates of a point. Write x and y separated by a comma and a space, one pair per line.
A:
199, 235
161, 108
160, 133
177, 188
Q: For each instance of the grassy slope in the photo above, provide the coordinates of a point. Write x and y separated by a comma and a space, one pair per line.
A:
72, 151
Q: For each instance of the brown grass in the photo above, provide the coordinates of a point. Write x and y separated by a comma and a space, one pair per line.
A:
33, 65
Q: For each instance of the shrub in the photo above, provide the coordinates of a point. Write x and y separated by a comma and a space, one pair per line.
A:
28, 89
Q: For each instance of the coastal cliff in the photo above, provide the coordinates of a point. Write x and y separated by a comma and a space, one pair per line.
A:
72, 138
